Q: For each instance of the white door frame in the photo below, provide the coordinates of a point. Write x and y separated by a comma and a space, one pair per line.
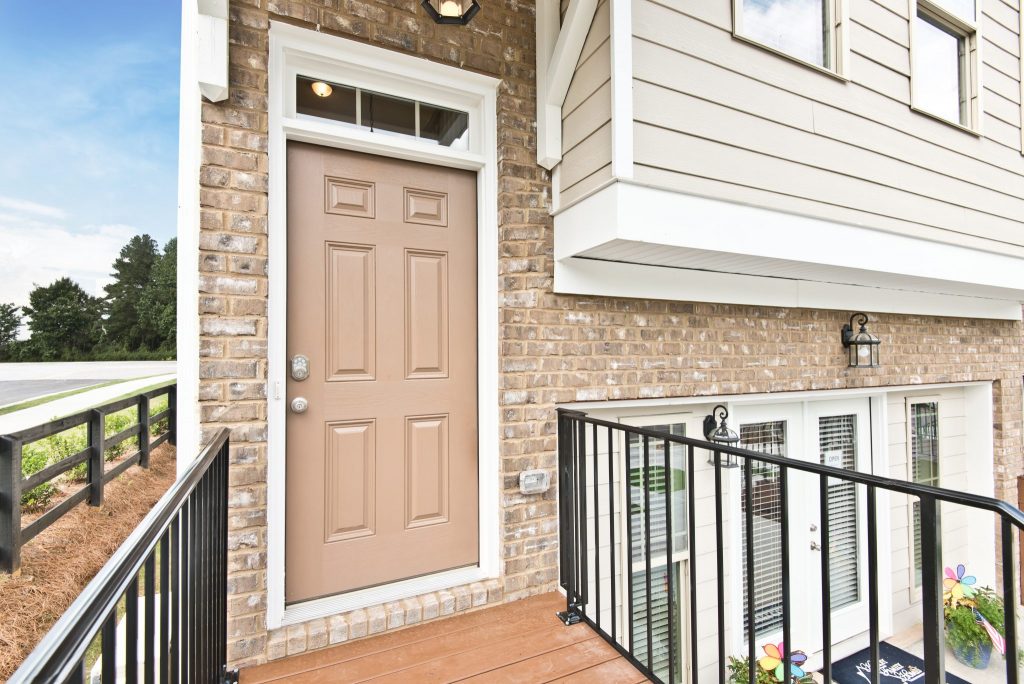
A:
295, 50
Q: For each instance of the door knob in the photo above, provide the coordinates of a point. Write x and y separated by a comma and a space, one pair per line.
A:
299, 405
815, 546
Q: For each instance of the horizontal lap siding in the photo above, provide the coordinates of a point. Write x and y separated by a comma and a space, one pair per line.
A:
586, 114
721, 117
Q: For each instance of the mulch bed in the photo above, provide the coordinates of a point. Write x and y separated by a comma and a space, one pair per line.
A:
60, 561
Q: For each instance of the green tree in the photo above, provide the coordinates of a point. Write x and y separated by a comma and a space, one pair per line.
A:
133, 270
64, 319
10, 324
156, 307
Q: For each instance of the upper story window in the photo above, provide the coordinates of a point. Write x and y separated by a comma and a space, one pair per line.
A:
944, 61
382, 113
804, 29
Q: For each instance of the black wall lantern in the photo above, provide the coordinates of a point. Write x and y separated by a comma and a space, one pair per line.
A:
720, 433
862, 345
451, 11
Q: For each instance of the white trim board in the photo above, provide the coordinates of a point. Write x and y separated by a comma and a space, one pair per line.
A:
639, 241
294, 49
189, 154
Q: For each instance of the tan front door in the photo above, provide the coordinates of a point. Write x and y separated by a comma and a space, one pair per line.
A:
382, 466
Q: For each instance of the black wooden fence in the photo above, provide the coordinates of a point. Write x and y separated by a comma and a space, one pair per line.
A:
12, 484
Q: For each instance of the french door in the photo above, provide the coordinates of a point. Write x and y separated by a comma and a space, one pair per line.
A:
835, 433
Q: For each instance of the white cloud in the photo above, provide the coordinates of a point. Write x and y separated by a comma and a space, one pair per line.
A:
34, 255
792, 26
20, 205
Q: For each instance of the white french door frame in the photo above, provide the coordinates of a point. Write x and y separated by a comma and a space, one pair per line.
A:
294, 50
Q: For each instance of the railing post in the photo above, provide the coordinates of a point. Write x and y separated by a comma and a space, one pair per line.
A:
172, 415
932, 619
144, 430
567, 515
10, 504
96, 439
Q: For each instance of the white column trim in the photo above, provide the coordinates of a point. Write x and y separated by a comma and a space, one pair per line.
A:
622, 87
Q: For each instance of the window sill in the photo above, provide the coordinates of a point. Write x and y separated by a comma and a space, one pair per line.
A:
941, 119
785, 55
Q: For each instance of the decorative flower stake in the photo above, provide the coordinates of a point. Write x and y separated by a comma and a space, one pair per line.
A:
774, 662
958, 585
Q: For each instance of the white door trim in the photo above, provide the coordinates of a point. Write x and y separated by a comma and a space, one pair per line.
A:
294, 49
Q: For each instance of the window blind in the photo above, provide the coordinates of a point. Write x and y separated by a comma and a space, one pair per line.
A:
767, 438
837, 438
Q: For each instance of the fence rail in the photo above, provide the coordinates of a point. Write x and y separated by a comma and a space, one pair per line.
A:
592, 495
175, 628
13, 484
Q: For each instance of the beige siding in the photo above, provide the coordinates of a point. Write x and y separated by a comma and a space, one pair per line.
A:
586, 115
721, 117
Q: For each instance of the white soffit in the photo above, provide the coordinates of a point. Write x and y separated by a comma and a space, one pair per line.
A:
713, 250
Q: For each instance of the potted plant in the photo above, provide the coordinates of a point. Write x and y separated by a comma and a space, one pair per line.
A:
973, 617
770, 668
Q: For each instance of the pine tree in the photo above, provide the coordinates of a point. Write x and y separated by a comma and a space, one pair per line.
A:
10, 324
157, 305
132, 273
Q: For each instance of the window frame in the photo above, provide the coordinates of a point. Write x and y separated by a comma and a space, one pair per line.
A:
837, 38
969, 32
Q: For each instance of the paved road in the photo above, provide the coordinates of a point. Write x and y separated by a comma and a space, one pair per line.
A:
17, 391
23, 381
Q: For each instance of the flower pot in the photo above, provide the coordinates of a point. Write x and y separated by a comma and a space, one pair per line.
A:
973, 655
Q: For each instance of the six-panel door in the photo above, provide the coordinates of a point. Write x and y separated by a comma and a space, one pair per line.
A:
382, 466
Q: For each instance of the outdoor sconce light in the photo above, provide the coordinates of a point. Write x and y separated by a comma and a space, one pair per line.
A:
720, 433
863, 345
451, 11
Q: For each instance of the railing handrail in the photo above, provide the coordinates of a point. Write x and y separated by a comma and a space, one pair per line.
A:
66, 642
1014, 514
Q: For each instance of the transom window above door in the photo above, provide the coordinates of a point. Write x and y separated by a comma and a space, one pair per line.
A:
381, 113
806, 30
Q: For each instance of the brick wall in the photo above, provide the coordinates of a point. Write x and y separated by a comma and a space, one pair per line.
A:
553, 348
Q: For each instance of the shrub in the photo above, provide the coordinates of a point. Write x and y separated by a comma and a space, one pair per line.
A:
37, 497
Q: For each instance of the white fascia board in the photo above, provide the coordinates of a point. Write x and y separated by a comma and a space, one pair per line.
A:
212, 47
559, 46
640, 214
640, 281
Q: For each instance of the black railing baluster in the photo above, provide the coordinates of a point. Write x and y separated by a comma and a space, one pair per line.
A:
786, 588
131, 631
613, 569
647, 552
188, 599
1009, 602
691, 544
748, 522
165, 603
720, 561
174, 657
826, 581
873, 583
108, 649
667, 478
931, 590
581, 478
627, 456
149, 620
597, 531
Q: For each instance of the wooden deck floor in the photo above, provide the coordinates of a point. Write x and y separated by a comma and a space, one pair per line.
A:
521, 642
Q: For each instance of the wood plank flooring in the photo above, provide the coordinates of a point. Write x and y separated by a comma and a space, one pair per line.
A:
521, 642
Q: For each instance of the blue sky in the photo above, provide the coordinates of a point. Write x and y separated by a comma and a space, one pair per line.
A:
88, 136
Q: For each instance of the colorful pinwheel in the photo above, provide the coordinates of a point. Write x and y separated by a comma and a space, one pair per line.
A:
773, 662
958, 585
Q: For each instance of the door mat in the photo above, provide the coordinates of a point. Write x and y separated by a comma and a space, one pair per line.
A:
895, 666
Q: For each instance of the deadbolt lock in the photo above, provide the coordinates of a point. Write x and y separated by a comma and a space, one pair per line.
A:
300, 367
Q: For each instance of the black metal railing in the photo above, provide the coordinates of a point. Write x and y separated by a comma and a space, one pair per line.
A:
623, 488
13, 483
157, 610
